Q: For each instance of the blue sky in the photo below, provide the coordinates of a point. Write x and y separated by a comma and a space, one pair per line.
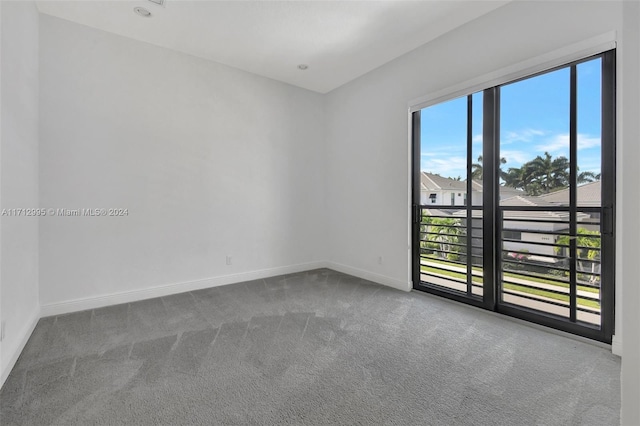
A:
534, 118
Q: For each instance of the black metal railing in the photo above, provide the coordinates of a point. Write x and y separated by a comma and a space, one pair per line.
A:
540, 265
548, 265
451, 248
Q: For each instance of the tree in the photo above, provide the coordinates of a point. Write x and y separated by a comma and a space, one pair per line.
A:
514, 177
540, 175
588, 252
547, 174
587, 177
445, 232
477, 169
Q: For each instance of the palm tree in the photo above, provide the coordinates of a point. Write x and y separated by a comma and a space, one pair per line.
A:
586, 177
530, 177
514, 177
477, 170
445, 232
588, 253
540, 175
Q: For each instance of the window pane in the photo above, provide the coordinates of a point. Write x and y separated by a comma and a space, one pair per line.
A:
476, 154
589, 132
450, 243
444, 153
534, 135
534, 157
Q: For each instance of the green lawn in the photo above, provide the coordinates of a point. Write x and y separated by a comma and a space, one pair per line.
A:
533, 291
434, 259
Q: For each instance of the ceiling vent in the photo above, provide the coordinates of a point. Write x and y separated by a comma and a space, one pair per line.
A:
158, 2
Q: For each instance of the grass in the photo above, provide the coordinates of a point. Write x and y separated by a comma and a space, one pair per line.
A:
516, 275
533, 291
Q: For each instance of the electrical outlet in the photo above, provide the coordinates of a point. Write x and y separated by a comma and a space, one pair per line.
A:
3, 325
379, 260
228, 260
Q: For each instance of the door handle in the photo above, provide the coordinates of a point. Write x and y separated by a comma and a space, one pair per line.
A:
416, 213
607, 220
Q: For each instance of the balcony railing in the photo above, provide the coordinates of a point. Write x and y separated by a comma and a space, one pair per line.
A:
535, 265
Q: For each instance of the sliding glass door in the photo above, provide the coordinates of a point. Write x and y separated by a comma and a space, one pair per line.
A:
514, 198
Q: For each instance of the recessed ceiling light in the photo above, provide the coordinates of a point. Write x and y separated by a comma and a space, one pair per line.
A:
303, 67
142, 12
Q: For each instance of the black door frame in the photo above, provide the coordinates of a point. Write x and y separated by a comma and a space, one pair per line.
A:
491, 208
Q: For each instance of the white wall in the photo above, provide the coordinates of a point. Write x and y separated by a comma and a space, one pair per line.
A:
18, 177
209, 161
367, 129
629, 199
368, 150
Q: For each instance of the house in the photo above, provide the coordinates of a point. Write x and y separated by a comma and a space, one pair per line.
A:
521, 235
275, 152
444, 191
435, 189
589, 195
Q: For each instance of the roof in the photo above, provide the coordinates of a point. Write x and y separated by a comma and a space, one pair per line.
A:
589, 194
529, 201
476, 185
505, 191
508, 192
431, 182
526, 201
517, 201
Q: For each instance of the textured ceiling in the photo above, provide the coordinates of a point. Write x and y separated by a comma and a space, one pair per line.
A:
339, 40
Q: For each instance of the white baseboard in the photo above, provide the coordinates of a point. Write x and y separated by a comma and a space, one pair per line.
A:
15, 352
616, 345
371, 276
169, 289
76, 305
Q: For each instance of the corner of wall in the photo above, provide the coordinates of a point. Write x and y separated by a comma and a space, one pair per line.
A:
616, 345
14, 352
371, 276
19, 19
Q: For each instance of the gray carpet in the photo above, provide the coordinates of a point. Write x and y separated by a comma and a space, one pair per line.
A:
312, 348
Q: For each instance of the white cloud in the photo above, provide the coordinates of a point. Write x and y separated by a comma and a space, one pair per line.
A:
586, 142
447, 167
524, 135
515, 158
450, 161
560, 143
557, 143
477, 138
590, 166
